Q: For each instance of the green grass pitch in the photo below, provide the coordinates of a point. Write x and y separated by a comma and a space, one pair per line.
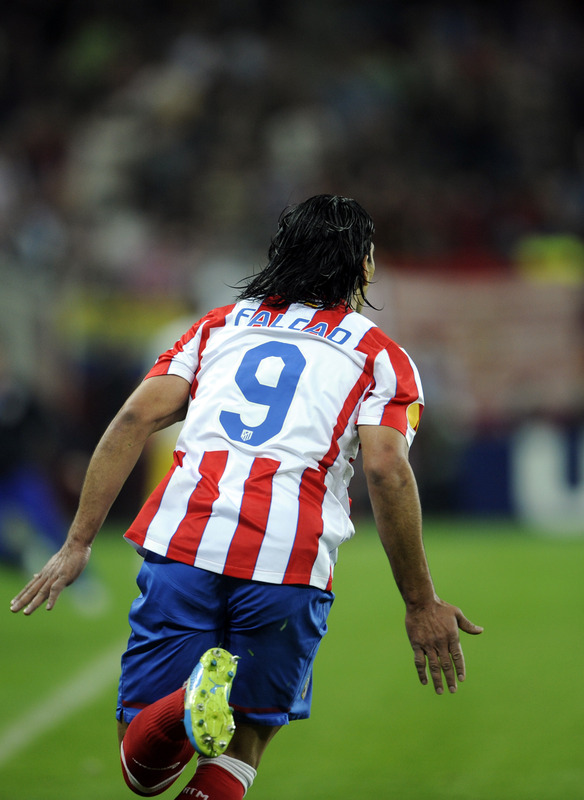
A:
514, 730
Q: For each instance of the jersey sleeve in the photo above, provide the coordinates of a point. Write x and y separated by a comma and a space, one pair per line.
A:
395, 396
182, 359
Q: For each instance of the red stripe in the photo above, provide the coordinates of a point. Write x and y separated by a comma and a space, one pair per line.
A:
309, 527
331, 316
214, 319
372, 343
329, 585
266, 305
312, 491
185, 542
342, 420
311, 497
407, 392
165, 360
139, 528
253, 517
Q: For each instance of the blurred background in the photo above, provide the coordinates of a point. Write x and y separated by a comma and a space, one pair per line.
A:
148, 147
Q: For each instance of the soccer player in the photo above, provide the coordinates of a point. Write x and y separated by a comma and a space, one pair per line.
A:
240, 539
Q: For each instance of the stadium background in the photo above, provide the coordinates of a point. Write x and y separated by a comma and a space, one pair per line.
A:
146, 149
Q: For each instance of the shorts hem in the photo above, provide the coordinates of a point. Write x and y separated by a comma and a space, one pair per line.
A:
274, 720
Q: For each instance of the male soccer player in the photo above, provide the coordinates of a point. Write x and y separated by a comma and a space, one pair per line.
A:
277, 392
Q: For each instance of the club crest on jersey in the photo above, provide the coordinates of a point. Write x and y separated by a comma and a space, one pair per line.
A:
246, 435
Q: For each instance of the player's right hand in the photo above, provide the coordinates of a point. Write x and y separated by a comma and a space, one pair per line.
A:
46, 586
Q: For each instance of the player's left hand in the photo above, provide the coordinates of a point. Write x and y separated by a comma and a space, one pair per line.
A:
60, 571
434, 635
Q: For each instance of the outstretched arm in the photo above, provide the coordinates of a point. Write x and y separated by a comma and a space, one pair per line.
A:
432, 625
155, 404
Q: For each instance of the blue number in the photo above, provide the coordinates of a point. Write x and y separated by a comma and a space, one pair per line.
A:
277, 398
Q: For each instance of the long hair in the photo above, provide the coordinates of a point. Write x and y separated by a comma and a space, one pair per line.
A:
316, 256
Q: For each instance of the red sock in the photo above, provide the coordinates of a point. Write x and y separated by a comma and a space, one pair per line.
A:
212, 783
156, 748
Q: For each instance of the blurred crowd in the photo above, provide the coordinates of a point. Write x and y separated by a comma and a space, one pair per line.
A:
136, 133
147, 147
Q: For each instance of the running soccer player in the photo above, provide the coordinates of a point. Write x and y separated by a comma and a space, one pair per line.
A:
240, 539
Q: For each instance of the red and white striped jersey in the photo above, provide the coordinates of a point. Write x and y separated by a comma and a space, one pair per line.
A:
258, 487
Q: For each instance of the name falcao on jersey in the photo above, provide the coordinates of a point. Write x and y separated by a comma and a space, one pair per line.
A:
265, 319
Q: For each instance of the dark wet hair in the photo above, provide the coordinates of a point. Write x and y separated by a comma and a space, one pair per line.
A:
316, 256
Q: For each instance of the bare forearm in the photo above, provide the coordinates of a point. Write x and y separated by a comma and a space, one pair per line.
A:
432, 625
155, 404
112, 462
398, 517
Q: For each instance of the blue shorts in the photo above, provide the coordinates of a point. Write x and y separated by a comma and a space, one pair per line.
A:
182, 611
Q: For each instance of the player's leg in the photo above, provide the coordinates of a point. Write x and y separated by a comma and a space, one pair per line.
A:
277, 631
228, 758
154, 748
276, 628
250, 741
164, 645
229, 775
